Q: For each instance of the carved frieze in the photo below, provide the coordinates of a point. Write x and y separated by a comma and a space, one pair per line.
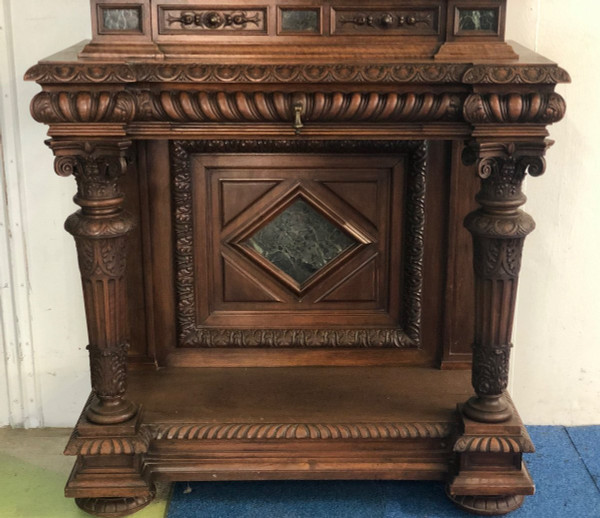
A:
435, 73
203, 106
515, 74
209, 106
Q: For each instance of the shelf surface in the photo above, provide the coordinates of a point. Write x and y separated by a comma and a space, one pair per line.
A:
298, 394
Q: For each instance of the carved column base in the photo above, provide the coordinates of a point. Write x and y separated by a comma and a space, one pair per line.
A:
110, 411
488, 409
488, 505
113, 507
489, 476
108, 477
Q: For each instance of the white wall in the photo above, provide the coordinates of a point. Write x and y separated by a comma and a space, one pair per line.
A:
556, 375
556, 367
40, 28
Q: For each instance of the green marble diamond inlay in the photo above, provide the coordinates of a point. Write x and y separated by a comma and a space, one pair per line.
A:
300, 241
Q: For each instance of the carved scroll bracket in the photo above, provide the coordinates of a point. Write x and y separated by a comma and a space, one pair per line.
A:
499, 229
514, 108
100, 229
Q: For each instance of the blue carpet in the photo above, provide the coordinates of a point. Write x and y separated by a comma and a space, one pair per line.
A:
586, 439
565, 489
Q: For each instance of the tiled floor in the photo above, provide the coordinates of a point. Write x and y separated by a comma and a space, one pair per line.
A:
566, 469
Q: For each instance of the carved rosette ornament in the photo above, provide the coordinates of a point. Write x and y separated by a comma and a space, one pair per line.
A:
100, 229
499, 229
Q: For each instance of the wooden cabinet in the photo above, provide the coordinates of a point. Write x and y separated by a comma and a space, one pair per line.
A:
277, 280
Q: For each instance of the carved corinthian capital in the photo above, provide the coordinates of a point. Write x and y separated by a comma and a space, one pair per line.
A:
499, 229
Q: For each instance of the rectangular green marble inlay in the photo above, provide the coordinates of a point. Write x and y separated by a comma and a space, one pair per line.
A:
484, 20
300, 20
121, 19
300, 241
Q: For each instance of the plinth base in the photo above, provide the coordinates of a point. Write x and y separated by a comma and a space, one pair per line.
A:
209, 424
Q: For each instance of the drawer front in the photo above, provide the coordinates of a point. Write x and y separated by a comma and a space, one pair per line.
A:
198, 20
353, 21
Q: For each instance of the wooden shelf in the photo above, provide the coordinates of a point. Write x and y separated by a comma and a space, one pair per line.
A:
299, 395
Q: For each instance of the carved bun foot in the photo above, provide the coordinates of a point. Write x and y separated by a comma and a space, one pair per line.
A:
488, 409
115, 506
488, 505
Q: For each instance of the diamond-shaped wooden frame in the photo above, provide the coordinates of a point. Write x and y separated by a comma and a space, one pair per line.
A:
300, 191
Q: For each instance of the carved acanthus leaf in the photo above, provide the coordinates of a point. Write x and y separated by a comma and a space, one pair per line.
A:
83, 106
108, 367
490, 368
541, 108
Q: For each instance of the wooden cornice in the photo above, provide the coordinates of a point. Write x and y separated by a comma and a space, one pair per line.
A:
419, 73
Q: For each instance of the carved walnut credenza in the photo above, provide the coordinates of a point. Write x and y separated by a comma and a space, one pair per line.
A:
299, 227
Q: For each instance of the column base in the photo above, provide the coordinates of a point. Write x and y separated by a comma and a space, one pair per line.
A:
113, 411
488, 409
489, 476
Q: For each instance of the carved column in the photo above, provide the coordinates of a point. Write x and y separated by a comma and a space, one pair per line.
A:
499, 229
100, 229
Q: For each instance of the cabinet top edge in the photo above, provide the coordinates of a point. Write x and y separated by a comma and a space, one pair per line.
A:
245, 67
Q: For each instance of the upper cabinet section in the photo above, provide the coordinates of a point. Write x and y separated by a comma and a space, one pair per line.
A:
159, 29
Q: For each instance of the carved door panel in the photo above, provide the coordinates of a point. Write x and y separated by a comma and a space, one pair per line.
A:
299, 249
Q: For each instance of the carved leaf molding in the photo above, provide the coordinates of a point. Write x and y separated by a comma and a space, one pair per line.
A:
302, 431
435, 73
